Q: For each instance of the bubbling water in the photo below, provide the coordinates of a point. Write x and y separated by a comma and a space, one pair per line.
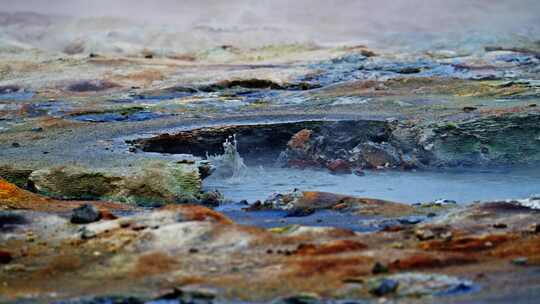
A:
239, 182
229, 164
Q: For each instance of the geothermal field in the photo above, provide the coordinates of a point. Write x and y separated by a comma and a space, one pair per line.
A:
174, 152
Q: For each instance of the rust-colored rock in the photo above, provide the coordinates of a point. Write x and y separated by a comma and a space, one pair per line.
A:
468, 243
334, 247
15, 198
423, 260
300, 140
154, 263
198, 213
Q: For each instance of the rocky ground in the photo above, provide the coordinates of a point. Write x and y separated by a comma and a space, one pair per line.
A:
103, 158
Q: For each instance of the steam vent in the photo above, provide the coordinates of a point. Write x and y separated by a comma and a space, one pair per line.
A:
284, 152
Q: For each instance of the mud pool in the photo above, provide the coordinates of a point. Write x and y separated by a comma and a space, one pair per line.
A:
462, 185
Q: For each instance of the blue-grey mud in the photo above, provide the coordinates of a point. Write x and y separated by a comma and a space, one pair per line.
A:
270, 152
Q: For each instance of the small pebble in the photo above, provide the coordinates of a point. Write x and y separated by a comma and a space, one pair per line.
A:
500, 226
379, 268
424, 235
87, 234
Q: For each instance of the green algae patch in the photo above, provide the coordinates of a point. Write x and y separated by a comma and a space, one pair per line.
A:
153, 183
508, 139
158, 183
72, 182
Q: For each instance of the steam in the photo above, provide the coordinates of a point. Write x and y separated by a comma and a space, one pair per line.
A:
190, 25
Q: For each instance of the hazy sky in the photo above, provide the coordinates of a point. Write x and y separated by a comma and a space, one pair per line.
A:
317, 13
321, 21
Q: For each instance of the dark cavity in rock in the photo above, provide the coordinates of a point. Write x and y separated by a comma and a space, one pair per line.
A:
263, 142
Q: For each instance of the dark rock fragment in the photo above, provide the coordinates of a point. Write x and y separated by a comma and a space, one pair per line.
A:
205, 169
500, 226
384, 287
211, 198
368, 53
85, 214
469, 109
298, 212
242, 83
256, 206
411, 220
192, 296
409, 70
379, 268
303, 298
91, 86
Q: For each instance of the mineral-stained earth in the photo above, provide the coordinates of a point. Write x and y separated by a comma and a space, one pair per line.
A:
118, 172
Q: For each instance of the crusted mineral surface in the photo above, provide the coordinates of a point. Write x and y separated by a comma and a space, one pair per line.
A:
181, 249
